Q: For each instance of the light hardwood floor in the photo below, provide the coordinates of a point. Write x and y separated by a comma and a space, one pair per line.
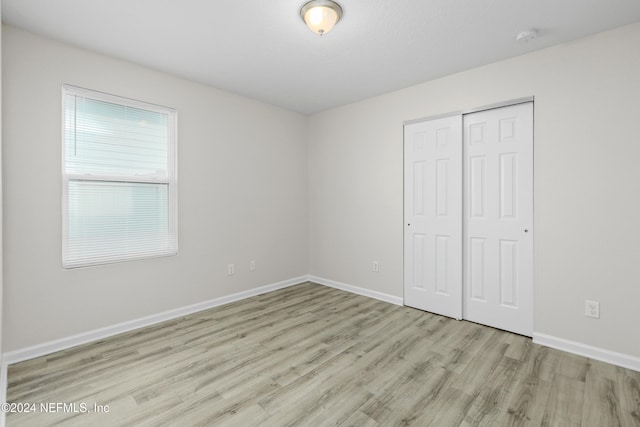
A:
312, 355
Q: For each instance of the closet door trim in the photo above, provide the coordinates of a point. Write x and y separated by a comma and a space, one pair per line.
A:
509, 103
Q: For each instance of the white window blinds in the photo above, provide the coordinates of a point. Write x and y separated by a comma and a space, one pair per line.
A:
119, 179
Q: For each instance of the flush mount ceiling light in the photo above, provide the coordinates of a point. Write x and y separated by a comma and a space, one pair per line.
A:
321, 15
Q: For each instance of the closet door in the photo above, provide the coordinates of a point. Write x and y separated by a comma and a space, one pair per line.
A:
433, 216
498, 234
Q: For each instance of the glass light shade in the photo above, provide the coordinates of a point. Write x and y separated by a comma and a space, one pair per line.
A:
321, 15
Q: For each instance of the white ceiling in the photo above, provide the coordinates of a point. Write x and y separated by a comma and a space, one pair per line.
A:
262, 49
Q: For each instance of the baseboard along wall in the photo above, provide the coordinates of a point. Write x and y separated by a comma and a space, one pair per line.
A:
106, 332
608, 356
596, 353
356, 290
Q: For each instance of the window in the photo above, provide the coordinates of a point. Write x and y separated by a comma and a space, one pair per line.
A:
119, 179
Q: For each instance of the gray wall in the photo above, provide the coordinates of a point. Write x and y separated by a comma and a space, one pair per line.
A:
587, 181
242, 195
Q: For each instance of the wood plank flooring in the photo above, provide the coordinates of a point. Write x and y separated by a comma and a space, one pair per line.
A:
310, 355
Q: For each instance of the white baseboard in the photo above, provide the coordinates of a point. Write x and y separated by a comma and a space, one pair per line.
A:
97, 334
601, 354
356, 290
608, 356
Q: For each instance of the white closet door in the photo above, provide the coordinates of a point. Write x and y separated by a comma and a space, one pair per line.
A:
433, 216
498, 235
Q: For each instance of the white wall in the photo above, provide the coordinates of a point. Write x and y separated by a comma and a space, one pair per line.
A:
242, 195
587, 181
250, 188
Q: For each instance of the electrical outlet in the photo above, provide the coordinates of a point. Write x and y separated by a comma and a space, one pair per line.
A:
252, 265
375, 267
231, 269
592, 309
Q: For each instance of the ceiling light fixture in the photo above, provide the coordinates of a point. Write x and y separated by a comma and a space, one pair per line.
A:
321, 15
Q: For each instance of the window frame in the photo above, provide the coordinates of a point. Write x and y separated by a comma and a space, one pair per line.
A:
171, 179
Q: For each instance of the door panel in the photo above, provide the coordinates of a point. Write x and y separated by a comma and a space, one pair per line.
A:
433, 216
498, 233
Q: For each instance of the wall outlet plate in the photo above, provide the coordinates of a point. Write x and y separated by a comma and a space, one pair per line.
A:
375, 266
231, 269
592, 309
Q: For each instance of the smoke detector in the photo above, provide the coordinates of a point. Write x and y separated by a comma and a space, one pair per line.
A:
526, 36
